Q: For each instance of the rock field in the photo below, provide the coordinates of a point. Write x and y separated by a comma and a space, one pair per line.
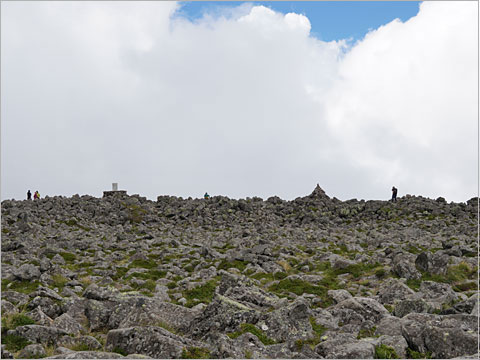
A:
315, 277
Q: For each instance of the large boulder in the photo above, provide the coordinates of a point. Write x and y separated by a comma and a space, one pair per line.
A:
143, 311
150, 340
290, 322
345, 346
404, 266
39, 334
27, 272
32, 351
223, 315
444, 336
393, 290
68, 324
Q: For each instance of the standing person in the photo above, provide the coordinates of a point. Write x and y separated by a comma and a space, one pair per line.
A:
36, 195
206, 196
394, 194
29, 195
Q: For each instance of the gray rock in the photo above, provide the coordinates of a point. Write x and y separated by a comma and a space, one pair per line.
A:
393, 290
5, 354
39, 334
405, 307
40, 317
32, 351
403, 266
151, 340
88, 355
389, 325
68, 324
27, 272
345, 347
339, 295
8, 308
444, 336
88, 341
437, 292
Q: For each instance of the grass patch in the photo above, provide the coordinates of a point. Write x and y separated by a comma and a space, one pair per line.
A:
121, 271
25, 287
152, 274
385, 352
238, 264
201, 294
270, 277
193, 352
300, 287
68, 257
457, 276
366, 333
412, 354
14, 343
145, 264
120, 351
59, 281
252, 329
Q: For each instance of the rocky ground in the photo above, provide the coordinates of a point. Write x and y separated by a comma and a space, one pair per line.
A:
315, 277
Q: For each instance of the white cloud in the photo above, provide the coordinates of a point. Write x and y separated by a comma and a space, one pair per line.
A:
240, 103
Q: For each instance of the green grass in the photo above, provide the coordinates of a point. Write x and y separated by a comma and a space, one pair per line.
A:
319, 330
193, 352
14, 342
152, 274
238, 264
120, 351
252, 329
59, 281
300, 287
270, 277
146, 264
385, 352
365, 333
11, 321
80, 347
121, 271
201, 294
68, 257
412, 354
25, 287
457, 276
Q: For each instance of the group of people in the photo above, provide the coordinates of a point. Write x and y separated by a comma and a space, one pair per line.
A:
36, 196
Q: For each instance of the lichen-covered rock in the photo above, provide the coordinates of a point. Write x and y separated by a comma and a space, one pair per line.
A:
437, 292
444, 336
222, 314
5, 354
289, 323
8, 308
151, 340
88, 355
88, 341
393, 290
405, 307
27, 272
32, 351
39, 334
345, 347
68, 324
404, 266
142, 311
339, 295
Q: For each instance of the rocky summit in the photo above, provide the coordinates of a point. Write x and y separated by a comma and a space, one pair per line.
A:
315, 277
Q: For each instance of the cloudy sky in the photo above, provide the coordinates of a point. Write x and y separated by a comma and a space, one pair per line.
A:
239, 99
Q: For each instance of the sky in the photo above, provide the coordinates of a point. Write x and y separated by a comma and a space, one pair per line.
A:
239, 99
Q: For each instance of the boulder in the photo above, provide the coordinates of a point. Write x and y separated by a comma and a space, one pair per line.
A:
88, 355
393, 290
289, 323
405, 307
39, 334
403, 266
32, 351
87, 341
27, 272
68, 324
151, 341
345, 347
437, 292
339, 295
445, 336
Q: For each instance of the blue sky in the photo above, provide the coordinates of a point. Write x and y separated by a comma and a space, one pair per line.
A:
330, 20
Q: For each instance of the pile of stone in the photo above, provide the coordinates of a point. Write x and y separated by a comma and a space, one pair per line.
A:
314, 277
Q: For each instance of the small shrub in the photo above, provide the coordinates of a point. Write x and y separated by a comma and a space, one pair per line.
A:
25, 287
385, 352
59, 281
365, 333
146, 264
